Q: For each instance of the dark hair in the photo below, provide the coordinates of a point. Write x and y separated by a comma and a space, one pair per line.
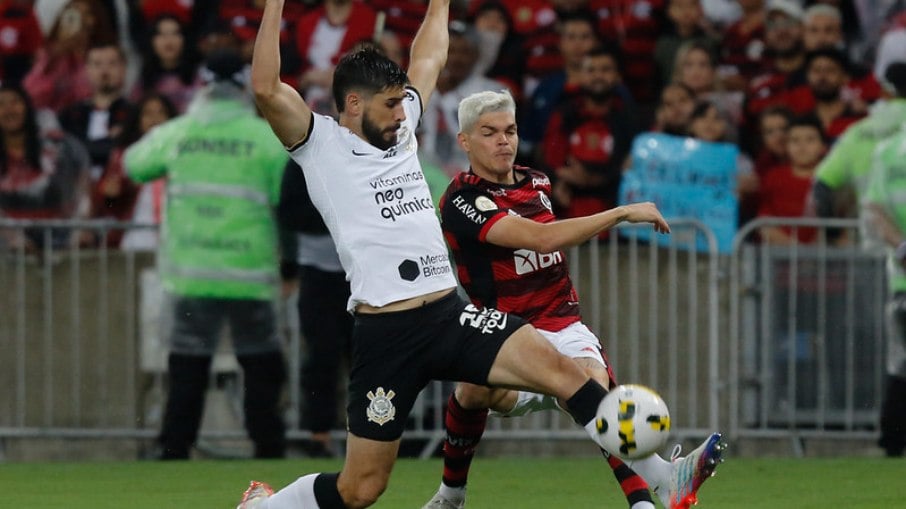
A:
778, 110
496, 6
834, 54
812, 121
608, 50
368, 71
132, 127
152, 67
581, 16
701, 109
32, 132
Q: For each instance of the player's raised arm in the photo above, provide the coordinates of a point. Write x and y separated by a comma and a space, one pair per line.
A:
281, 104
519, 232
429, 49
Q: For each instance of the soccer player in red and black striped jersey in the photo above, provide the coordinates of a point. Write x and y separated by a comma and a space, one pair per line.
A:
507, 243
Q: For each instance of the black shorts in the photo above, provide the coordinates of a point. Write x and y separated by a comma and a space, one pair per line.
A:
395, 355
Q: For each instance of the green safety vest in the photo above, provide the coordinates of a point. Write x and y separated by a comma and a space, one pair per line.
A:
887, 189
223, 166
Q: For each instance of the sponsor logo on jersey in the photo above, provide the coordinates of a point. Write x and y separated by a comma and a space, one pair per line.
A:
487, 320
471, 213
497, 192
394, 203
484, 204
428, 265
546, 201
529, 261
381, 410
541, 182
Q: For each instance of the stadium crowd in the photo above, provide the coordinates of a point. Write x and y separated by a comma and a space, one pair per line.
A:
82, 80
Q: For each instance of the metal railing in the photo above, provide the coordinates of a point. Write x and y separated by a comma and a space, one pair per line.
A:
80, 348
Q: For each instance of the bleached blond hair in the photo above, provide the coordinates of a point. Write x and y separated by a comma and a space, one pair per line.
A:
479, 103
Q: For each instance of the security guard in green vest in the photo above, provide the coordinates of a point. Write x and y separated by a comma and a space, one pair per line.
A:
219, 251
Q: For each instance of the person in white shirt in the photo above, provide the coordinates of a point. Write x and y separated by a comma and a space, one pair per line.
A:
410, 326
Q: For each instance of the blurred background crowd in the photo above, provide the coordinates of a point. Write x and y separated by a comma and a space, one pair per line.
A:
781, 80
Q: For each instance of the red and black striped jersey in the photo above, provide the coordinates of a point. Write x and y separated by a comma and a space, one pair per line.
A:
535, 286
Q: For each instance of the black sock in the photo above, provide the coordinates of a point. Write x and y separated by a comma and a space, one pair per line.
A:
326, 493
583, 405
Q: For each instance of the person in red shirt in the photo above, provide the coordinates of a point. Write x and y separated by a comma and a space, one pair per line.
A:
493, 217
20, 39
785, 189
742, 47
588, 138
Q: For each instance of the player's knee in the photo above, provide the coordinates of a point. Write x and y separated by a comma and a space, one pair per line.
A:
473, 397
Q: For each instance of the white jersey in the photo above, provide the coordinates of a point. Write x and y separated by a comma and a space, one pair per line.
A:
378, 209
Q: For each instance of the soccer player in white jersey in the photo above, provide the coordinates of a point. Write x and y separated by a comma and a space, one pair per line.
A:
489, 216
410, 324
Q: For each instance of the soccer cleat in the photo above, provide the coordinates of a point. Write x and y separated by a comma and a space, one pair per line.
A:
691, 471
439, 502
255, 495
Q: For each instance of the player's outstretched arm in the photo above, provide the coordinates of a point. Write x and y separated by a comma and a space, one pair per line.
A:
281, 104
429, 49
519, 232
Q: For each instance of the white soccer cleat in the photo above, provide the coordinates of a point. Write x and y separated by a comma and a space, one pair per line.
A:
691, 471
255, 495
439, 502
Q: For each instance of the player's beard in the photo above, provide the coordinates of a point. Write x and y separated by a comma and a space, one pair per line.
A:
376, 136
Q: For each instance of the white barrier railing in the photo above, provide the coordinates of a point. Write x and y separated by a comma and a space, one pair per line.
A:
698, 327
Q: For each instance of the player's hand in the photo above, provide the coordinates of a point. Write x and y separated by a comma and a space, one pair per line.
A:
647, 212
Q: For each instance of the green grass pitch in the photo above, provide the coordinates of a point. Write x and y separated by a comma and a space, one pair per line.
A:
523, 483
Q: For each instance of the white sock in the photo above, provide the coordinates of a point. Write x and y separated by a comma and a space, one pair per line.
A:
654, 470
300, 493
455, 495
592, 429
642, 505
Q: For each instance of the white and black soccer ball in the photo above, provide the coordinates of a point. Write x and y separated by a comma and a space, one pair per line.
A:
633, 422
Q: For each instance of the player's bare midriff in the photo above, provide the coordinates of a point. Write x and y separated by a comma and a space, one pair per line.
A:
402, 305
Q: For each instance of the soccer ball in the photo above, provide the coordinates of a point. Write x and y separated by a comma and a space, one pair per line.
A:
632, 422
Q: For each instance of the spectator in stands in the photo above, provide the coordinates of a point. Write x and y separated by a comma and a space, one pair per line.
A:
21, 39
58, 77
842, 177
98, 120
458, 79
219, 252
243, 17
43, 172
402, 17
826, 77
588, 139
823, 28
685, 27
323, 35
326, 325
770, 152
708, 123
578, 36
786, 57
887, 210
501, 55
674, 110
696, 67
634, 25
115, 196
743, 47
785, 189
169, 66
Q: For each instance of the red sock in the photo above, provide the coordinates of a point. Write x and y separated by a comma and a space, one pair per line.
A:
464, 429
634, 487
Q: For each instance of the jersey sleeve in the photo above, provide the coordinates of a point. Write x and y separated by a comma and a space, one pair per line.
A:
833, 170
146, 159
469, 213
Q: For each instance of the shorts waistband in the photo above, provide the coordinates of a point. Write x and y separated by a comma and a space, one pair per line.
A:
440, 303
